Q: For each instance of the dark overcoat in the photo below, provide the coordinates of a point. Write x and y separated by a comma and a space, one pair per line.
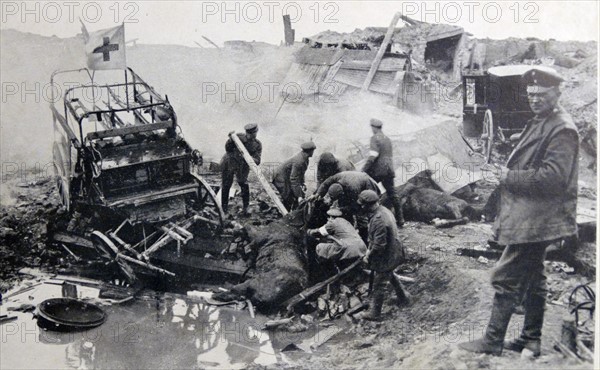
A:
538, 198
385, 249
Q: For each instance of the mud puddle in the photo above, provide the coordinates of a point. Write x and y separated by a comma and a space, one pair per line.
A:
149, 330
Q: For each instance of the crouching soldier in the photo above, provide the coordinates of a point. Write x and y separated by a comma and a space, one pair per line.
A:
345, 188
289, 176
328, 165
345, 245
384, 253
233, 163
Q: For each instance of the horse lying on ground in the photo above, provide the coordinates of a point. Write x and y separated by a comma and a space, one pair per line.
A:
280, 262
423, 200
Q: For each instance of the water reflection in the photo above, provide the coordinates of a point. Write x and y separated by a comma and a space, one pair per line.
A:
154, 331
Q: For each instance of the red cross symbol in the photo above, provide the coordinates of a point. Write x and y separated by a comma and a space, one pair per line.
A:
106, 48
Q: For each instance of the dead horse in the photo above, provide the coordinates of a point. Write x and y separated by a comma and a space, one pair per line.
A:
280, 262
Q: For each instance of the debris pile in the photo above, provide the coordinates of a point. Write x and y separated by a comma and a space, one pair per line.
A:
23, 228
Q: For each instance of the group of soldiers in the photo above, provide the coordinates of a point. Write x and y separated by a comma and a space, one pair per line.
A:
358, 226
536, 207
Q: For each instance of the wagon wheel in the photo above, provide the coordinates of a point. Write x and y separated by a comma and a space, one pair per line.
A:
207, 205
108, 250
487, 136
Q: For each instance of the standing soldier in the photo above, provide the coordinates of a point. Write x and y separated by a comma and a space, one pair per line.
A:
537, 206
380, 166
384, 253
289, 176
233, 163
329, 165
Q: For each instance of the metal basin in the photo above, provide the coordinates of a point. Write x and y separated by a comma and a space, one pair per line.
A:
69, 314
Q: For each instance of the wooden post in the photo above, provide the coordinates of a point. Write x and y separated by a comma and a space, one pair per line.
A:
248, 158
288, 31
381, 51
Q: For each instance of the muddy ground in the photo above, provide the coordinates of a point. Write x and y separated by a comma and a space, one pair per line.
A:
451, 296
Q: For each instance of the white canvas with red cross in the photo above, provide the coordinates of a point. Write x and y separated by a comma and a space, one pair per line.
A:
105, 49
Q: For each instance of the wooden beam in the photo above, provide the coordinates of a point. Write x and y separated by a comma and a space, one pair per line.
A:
309, 292
259, 174
129, 130
381, 51
288, 31
70, 238
212, 43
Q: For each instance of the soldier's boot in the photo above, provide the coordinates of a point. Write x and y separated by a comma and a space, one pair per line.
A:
532, 327
401, 293
493, 341
375, 306
245, 190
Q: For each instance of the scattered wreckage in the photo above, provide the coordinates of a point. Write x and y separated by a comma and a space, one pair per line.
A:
127, 178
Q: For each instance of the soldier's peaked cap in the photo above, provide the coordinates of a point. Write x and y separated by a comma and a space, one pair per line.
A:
367, 197
335, 190
251, 128
309, 145
376, 123
335, 212
546, 77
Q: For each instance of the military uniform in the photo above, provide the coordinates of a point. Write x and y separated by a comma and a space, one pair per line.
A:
288, 178
384, 253
233, 163
347, 244
380, 166
538, 200
352, 183
329, 166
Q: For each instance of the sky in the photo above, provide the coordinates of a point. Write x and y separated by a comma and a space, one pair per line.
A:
185, 22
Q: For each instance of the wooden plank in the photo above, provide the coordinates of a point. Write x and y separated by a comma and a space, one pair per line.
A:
259, 174
70, 238
309, 292
487, 253
129, 130
212, 43
151, 196
199, 263
381, 51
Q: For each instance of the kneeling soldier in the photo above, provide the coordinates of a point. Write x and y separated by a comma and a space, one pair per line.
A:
346, 245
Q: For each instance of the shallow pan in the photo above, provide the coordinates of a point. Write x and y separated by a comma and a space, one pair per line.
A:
69, 314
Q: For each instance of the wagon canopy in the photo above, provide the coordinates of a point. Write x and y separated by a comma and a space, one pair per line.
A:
515, 70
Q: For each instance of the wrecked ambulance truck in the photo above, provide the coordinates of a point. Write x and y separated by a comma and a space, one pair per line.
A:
127, 178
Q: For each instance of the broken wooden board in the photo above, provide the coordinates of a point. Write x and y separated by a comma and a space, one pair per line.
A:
250, 161
72, 239
200, 263
309, 292
487, 253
